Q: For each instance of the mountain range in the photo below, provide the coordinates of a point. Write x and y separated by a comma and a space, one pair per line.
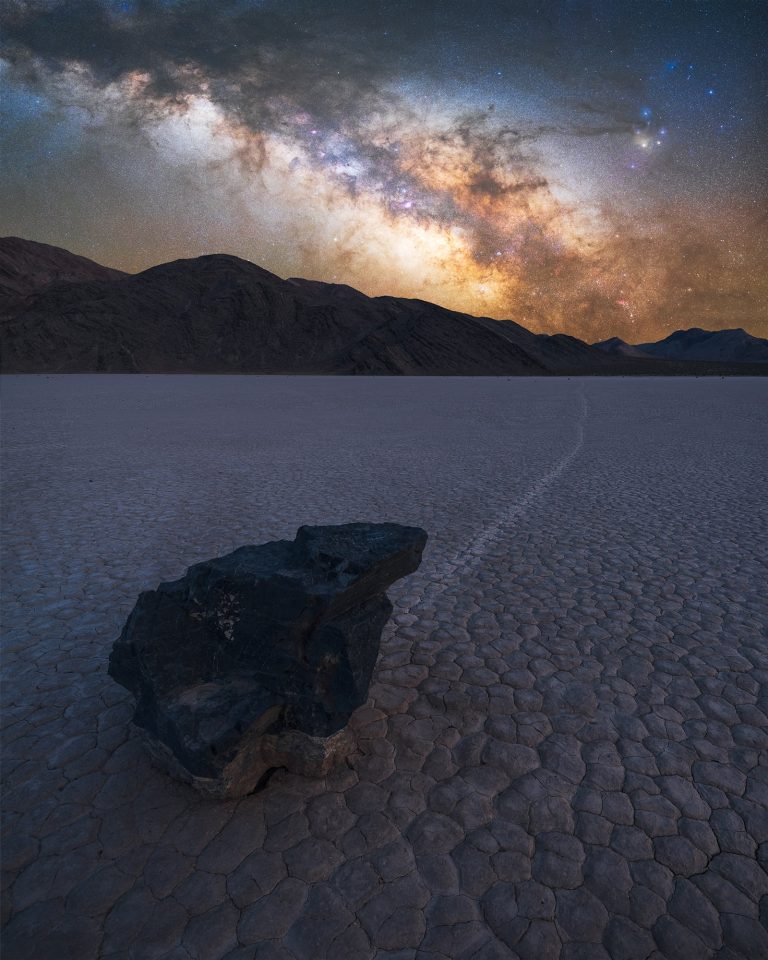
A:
220, 314
695, 344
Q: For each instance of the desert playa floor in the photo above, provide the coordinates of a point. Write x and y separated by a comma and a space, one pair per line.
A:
565, 750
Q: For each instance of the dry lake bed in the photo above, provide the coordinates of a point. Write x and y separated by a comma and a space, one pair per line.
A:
565, 749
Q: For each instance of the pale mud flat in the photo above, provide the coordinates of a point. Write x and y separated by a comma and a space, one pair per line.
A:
565, 751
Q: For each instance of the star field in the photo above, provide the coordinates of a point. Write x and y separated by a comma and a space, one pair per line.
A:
595, 168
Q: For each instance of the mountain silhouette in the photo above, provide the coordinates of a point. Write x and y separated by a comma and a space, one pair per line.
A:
736, 346
220, 314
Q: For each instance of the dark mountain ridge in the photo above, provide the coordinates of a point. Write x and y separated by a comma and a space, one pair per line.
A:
695, 345
619, 348
735, 345
27, 267
221, 314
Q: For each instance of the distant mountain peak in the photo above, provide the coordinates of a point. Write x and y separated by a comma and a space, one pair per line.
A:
734, 345
615, 346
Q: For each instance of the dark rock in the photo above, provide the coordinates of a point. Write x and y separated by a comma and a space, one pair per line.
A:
258, 659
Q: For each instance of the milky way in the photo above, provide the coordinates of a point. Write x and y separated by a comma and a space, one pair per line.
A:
595, 168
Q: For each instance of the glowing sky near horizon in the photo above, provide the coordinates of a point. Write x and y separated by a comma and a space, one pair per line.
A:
595, 168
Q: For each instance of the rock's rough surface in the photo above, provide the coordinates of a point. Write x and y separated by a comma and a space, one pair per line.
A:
257, 659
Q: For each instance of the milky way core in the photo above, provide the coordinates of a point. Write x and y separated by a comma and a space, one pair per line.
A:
595, 168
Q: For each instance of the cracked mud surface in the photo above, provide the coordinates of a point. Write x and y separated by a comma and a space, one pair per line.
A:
565, 749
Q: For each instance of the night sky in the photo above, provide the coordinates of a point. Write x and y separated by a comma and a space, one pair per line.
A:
596, 168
